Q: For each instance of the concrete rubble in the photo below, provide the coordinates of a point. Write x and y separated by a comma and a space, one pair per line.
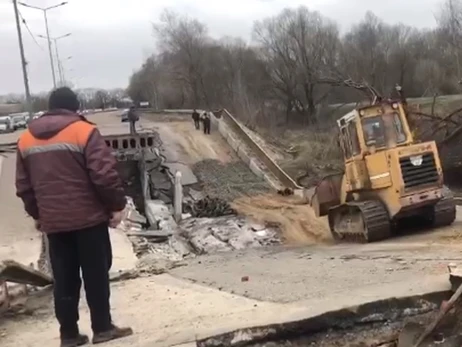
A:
164, 243
158, 241
211, 235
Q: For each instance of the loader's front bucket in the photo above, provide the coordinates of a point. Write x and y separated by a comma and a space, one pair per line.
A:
327, 194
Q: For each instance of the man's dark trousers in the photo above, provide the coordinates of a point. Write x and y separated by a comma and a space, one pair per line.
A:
132, 128
206, 126
90, 250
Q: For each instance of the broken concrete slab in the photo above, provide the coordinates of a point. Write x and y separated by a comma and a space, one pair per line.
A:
160, 180
136, 217
12, 271
123, 256
157, 210
159, 216
187, 176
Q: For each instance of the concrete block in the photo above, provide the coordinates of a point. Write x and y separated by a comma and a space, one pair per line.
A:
187, 176
156, 210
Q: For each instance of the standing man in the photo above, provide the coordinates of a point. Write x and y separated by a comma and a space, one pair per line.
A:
206, 123
67, 179
195, 117
132, 118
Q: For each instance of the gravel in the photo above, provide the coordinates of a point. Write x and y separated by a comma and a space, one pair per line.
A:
228, 181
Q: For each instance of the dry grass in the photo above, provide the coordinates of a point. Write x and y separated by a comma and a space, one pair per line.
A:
311, 154
296, 219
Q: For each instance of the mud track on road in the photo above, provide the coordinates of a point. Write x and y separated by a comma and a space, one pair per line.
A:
293, 216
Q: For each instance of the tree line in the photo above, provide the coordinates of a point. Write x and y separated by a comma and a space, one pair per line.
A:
298, 64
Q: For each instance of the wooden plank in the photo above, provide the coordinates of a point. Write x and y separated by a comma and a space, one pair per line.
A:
12, 271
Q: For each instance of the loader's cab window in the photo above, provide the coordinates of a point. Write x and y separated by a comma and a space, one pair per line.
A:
374, 131
349, 140
355, 149
383, 130
394, 126
345, 143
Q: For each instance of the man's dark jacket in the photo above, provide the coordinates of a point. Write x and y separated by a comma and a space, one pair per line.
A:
132, 116
66, 174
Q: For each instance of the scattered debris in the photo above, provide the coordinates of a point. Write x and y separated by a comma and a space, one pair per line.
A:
210, 235
150, 264
123, 275
286, 192
209, 207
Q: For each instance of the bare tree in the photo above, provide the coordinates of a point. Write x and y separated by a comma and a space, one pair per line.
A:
299, 46
450, 21
185, 39
298, 65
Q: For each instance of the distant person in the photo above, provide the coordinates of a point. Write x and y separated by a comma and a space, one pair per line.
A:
206, 120
67, 178
195, 117
133, 118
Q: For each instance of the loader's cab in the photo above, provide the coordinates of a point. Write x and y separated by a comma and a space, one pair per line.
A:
374, 128
367, 135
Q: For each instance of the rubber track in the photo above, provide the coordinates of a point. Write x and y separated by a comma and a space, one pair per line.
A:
376, 220
444, 211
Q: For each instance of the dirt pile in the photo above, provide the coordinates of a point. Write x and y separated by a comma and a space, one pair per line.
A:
295, 218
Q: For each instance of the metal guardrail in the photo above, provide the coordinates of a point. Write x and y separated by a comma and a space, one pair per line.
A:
261, 155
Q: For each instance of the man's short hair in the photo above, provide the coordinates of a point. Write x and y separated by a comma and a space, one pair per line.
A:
63, 98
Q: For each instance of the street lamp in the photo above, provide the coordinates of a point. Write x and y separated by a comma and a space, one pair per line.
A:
44, 10
55, 40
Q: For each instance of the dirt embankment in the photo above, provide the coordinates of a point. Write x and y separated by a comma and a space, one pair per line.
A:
296, 219
189, 145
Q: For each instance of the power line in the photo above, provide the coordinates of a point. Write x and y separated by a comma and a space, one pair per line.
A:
30, 32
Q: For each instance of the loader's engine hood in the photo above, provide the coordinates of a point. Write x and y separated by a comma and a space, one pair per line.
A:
419, 166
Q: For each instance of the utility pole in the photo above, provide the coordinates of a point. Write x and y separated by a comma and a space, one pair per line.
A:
60, 72
49, 49
45, 10
23, 61
58, 61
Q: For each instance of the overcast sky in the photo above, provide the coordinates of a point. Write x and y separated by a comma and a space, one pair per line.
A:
111, 38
